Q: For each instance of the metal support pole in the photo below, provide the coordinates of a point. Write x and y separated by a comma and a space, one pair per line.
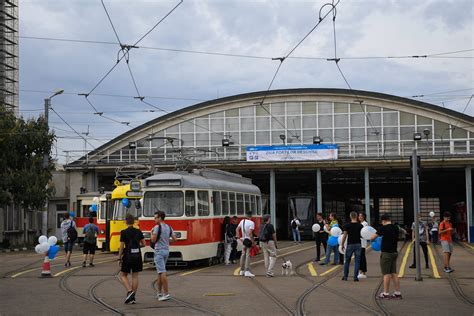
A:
319, 192
416, 213
272, 198
367, 195
469, 202
44, 226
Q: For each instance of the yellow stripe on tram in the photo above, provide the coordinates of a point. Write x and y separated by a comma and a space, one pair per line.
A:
311, 269
433, 263
404, 262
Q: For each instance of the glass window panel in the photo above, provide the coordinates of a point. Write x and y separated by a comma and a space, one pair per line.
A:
170, 202
406, 133
341, 135
216, 139
325, 121
247, 138
357, 134
309, 107
293, 108
217, 125
259, 206
217, 114
341, 120
357, 108
246, 124
371, 108
278, 123
373, 134
263, 138
187, 127
341, 108
441, 130
173, 129
247, 204
232, 113
294, 122
232, 124
190, 203
232, 203
458, 132
324, 107
308, 136
374, 118
263, 123
188, 140
390, 133
203, 203
202, 139
390, 119
407, 118
278, 109
240, 204
358, 120
167, 142
225, 203
247, 111
202, 125
421, 120
253, 205
216, 199
309, 121
262, 110
276, 137
326, 135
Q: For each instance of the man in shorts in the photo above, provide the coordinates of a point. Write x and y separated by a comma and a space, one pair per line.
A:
161, 235
388, 257
90, 240
67, 242
446, 237
130, 257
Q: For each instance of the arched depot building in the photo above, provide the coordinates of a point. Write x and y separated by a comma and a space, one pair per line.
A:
324, 150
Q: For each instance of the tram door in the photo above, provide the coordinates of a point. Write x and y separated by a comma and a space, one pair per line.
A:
304, 207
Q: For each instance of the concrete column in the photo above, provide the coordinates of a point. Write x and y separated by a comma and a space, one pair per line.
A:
319, 192
469, 202
367, 194
272, 198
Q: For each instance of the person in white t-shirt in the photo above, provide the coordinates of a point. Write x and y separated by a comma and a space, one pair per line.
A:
245, 234
363, 243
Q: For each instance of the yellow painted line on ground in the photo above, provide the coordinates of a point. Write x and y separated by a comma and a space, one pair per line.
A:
236, 271
80, 266
330, 270
193, 271
465, 243
311, 269
404, 262
23, 272
433, 263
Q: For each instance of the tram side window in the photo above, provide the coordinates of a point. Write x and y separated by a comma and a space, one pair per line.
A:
225, 203
232, 203
203, 203
247, 204
259, 206
240, 204
253, 205
190, 203
216, 197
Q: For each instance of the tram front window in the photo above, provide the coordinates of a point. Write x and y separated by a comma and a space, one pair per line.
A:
120, 211
301, 207
170, 202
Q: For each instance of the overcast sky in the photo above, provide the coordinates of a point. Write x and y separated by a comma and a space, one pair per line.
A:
366, 28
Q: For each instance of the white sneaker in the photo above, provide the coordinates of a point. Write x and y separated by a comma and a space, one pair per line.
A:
249, 274
242, 272
362, 276
164, 297
158, 295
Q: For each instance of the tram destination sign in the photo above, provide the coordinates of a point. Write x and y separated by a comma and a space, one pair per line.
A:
292, 153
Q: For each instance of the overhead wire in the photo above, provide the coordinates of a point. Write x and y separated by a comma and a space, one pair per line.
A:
72, 128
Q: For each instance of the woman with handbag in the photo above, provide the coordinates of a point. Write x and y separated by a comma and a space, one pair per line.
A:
245, 234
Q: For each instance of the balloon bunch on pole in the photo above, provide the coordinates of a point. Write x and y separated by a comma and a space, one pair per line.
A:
47, 247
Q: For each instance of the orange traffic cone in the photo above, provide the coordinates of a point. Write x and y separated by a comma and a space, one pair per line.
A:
46, 268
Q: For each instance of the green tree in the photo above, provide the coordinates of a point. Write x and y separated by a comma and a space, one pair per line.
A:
24, 174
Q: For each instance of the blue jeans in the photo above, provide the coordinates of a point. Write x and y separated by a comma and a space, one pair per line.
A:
296, 235
161, 256
330, 249
352, 249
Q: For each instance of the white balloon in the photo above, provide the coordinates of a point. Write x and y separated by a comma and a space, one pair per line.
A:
432, 214
336, 231
340, 250
44, 247
367, 232
316, 228
326, 229
52, 240
42, 239
37, 249
95, 200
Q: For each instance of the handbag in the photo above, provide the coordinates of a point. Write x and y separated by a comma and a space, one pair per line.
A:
247, 242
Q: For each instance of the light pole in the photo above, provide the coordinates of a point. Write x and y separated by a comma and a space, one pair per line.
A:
415, 166
47, 105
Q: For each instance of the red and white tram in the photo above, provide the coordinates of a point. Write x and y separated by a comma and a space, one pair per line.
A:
195, 204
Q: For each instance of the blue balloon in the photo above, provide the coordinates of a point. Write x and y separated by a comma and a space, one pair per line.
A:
53, 251
71, 213
94, 207
125, 202
377, 244
335, 225
332, 241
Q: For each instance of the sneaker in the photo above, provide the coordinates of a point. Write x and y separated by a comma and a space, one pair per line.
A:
84, 264
132, 301
269, 275
447, 270
362, 276
234, 262
242, 272
384, 296
165, 297
396, 296
356, 280
91, 265
322, 264
316, 260
344, 279
413, 266
130, 297
249, 274
158, 295
450, 270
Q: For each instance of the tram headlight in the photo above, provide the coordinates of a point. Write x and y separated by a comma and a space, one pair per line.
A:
177, 234
147, 235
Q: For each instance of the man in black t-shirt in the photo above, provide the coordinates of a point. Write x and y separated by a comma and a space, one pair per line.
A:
352, 234
388, 257
321, 236
267, 238
130, 257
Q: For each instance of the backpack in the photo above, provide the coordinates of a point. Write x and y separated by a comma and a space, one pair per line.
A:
293, 224
90, 235
71, 233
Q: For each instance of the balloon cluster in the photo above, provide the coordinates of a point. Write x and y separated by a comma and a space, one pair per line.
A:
47, 246
335, 233
367, 232
94, 205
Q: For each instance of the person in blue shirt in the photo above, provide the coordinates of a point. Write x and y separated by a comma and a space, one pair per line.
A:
90, 240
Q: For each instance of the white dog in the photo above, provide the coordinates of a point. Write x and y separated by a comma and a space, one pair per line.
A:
286, 267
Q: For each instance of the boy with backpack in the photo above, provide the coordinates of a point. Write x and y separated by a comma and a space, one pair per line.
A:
91, 231
69, 233
160, 236
130, 257
268, 242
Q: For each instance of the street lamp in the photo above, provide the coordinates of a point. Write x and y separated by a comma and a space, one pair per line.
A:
283, 137
415, 162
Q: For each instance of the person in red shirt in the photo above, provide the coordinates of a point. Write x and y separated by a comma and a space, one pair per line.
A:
446, 237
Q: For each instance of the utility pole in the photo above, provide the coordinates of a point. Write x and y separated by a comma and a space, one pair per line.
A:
416, 211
